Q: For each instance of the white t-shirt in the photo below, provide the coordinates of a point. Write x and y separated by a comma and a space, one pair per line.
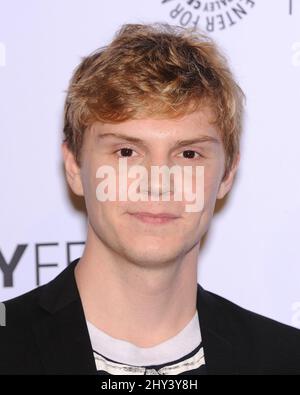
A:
179, 354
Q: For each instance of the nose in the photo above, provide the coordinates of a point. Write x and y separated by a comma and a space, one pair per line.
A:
158, 182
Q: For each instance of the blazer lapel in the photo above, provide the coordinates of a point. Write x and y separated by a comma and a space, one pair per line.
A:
62, 335
218, 350
64, 343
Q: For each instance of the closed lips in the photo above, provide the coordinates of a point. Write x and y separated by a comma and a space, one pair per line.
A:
153, 215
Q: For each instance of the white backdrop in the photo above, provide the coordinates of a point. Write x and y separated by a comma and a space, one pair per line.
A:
252, 251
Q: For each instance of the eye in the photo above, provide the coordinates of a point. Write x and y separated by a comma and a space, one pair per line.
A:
125, 152
190, 154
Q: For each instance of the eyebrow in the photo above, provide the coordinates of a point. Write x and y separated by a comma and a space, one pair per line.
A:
179, 143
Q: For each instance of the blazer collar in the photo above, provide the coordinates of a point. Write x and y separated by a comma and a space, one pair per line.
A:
216, 335
64, 342
62, 336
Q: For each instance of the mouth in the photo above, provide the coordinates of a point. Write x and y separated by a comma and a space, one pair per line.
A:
151, 218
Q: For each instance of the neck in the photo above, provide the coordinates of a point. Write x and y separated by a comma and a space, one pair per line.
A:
142, 305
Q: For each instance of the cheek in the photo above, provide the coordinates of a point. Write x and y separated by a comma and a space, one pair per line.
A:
90, 184
212, 179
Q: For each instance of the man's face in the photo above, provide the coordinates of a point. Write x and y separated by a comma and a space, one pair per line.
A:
121, 225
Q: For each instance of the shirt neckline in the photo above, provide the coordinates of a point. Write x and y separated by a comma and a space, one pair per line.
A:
125, 352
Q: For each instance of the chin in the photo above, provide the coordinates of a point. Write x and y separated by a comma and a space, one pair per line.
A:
154, 255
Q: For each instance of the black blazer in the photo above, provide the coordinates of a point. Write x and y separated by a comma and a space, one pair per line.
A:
46, 333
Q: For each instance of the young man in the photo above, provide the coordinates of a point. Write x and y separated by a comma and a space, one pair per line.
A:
156, 96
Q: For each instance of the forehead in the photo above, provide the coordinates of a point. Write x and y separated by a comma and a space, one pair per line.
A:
193, 125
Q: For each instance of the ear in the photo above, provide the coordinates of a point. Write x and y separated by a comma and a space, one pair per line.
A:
226, 184
72, 170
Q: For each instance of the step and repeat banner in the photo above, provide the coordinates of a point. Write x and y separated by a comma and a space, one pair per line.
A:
251, 254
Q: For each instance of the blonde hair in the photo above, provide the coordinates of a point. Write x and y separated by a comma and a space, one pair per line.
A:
154, 70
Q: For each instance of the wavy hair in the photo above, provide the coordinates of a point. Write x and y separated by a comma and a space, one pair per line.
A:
154, 70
